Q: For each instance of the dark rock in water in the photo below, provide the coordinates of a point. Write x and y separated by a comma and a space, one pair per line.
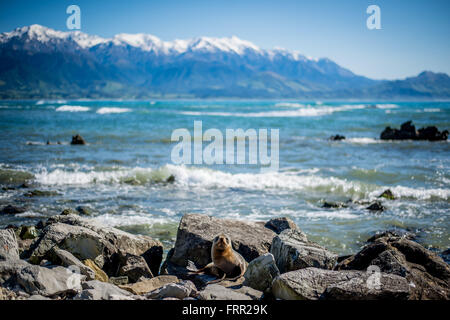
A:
77, 139
278, 225
336, 138
315, 284
10, 209
66, 212
292, 251
170, 179
40, 193
432, 134
375, 206
387, 194
196, 232
427, 274
334, 205
84, 211
408, 132
393, 233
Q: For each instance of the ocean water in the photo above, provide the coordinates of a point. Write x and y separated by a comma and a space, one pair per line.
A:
120, 174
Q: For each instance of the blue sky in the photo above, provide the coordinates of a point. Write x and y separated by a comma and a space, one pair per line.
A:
414, 36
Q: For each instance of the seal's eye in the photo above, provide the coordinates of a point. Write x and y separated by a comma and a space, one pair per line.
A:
216, 239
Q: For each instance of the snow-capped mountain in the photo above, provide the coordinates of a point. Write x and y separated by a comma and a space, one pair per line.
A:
36, 62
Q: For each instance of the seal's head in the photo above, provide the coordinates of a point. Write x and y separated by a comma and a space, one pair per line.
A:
221, 242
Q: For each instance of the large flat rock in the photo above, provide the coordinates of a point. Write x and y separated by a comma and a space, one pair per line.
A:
196, 232
314, 284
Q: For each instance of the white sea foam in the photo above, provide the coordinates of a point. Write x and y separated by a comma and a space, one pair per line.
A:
431, 110
302, 112
107, 110
69, 108
289, 104
387, 106
363, 140
131, 218
208, 179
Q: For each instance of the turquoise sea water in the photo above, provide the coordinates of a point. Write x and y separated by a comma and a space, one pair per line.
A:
120, 174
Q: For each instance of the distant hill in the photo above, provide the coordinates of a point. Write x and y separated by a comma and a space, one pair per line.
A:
38, 62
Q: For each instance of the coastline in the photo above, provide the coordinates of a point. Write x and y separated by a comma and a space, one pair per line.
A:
72, 257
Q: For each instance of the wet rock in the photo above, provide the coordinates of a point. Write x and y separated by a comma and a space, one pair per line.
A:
196, 232
10, 209
408, 132
336, 138
432, 134
393, 233
170, 179
99, 274
427, 273
66, 259
314, 284
77, 139
97, 290
387, 194
40, 193
376, 206
292, 250
261, 272
66, 212
9, 248
148, 285
334, 205
278, 225
134, 267
84, 210
38, 297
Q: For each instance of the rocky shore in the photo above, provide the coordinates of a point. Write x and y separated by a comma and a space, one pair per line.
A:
73, 257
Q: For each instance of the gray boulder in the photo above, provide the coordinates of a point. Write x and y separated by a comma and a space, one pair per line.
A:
66, 259
179, 290
314, 284
9, 248
427, 273
39, 280
98, 290
86, 239
196, 232
278, 225
261, 272
218, 292
134, 267
292, 251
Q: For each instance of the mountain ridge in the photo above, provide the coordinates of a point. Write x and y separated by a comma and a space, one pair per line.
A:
39, 62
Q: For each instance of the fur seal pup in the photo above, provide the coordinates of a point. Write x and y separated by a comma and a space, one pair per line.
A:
226, 263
